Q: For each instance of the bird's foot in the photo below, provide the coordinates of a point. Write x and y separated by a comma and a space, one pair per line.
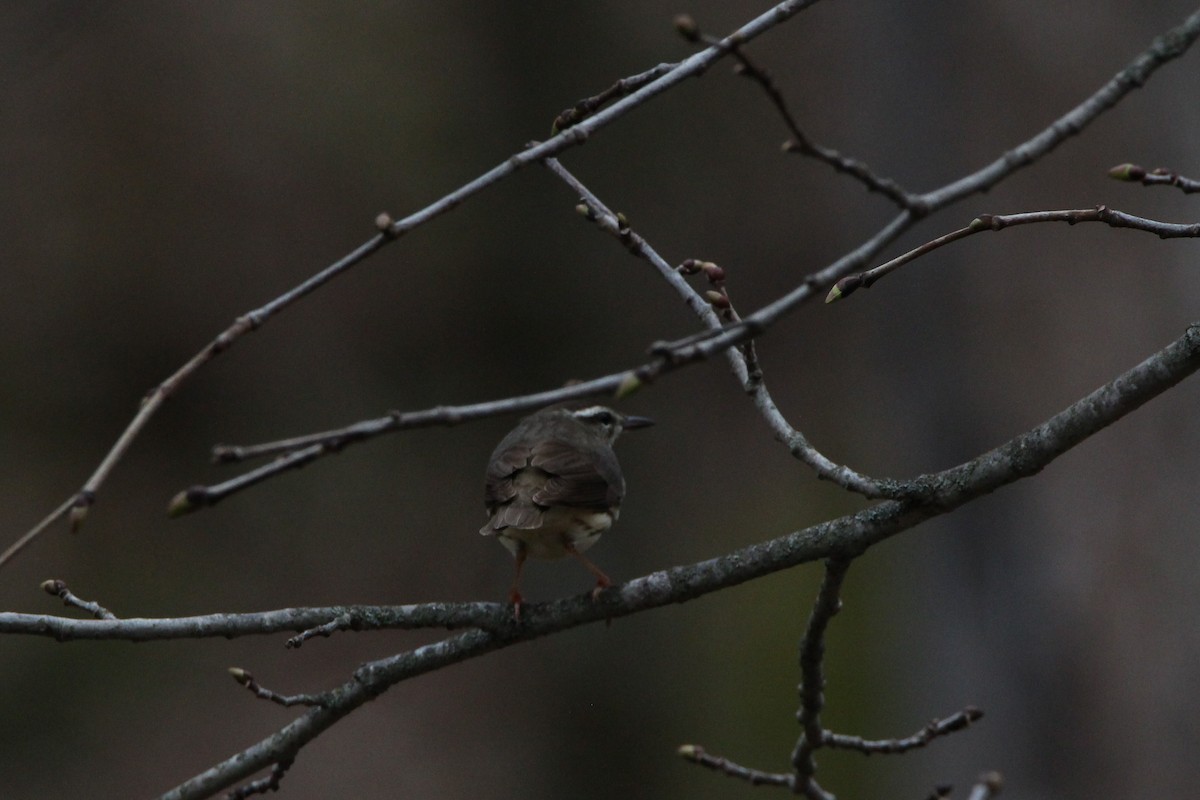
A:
515, 598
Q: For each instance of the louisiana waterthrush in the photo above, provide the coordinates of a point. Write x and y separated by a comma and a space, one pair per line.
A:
553, 485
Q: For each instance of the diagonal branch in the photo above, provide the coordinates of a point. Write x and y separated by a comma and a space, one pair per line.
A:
800, 142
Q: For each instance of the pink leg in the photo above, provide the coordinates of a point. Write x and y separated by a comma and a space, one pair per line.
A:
514, 594
602, 580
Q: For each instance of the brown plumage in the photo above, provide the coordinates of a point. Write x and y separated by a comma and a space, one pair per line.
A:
553, 485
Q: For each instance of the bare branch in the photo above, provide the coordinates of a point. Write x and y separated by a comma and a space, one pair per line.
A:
812, 682
243, 677
697, 755
998, 222
449, 616
800, 142
590, 105
1154, 177
59, 589
935, 729
262, 785
1165, 48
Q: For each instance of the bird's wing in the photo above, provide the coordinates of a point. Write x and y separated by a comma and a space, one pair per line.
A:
502, 495
577, 477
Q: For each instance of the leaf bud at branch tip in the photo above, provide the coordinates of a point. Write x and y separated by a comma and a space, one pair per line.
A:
689, 751
384, 221
629, 384
687, 28
53, 586
1127, 172
844, 287
715, 273
186, 501
240, 675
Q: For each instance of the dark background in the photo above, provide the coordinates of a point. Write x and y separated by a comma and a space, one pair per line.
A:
169, 166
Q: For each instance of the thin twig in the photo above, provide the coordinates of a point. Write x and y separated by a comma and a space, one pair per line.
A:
316, 445
697, 755
263, 785
590, 105
935, 729
800, 142
246, 679
1154, 177
812, 675
342, 623
59, 589
998, 222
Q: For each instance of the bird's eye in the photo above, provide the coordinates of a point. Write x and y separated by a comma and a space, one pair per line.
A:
604, 418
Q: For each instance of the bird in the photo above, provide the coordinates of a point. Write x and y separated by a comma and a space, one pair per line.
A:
553, 485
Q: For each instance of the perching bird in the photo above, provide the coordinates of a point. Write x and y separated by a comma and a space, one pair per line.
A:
553, 485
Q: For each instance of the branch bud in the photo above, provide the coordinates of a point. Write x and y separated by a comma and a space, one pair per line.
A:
687, 28
53, 586
1127, 172
186, 501
628, 385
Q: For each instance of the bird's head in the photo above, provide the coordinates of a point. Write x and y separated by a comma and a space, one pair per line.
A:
608, 424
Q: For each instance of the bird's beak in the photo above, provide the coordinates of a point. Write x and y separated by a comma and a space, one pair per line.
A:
637, 422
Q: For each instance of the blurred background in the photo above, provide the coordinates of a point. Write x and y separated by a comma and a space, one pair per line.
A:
169, 166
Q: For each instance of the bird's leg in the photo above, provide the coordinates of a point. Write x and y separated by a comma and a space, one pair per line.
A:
602, 580
514, 594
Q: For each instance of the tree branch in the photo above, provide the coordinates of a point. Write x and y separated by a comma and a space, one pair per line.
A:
937, 728
1154, 177
812, 682
998, 222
